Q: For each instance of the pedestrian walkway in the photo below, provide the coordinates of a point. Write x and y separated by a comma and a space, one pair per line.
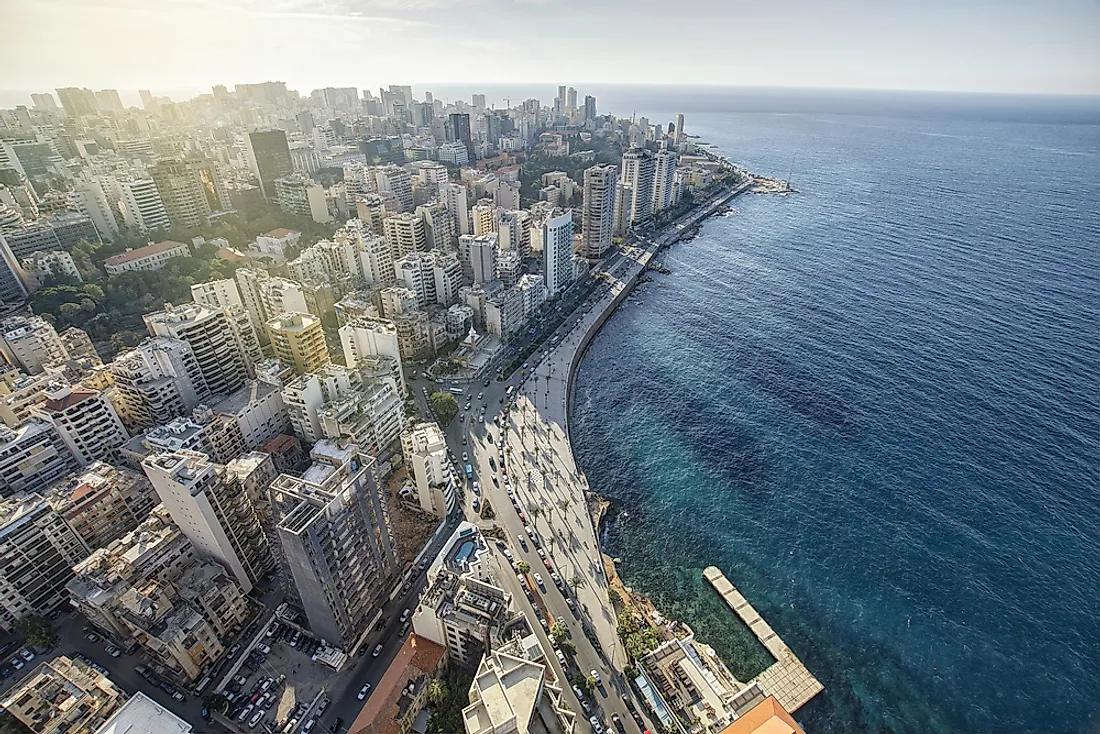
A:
787, 679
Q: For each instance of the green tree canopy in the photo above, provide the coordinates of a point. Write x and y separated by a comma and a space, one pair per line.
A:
445, 406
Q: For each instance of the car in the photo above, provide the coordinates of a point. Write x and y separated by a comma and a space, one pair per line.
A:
476, 505
542, 554
618, 722
296, 639
309, 724
17, 663
571, 604
113, 651
546, 562
205, 713
508, 554
463, 440
363, 691
91, 637
595, 674
5, 672
481, 418
465, 457
377, 650
522, 541
405, 615
481, 395
26, 654
240, 680
272, 630
179, 697
265, 649
336, 723
234, 650
245, 712
489, 435
538, 580
596, 725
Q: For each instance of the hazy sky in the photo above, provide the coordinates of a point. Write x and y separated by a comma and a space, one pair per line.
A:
1050, 46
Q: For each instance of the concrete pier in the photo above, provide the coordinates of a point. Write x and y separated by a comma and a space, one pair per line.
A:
787, 679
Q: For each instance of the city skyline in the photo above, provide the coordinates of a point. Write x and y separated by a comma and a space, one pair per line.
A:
983, 47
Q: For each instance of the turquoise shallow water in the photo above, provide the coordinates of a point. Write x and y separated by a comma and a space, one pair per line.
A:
874, 406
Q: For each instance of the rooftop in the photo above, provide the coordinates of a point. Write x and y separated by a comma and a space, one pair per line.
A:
766, 717
279, 233
141, 252
65, 398
415, 662
142, 715
251, 392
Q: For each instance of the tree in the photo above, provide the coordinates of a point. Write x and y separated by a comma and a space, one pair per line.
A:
437, 692
37, 631
575, 581
487, 512
523, 567
614, 596
445, 406
558, 633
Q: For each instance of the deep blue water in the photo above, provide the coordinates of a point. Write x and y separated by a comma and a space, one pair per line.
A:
875, 406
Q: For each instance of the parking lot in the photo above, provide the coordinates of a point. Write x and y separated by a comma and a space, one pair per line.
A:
278, 682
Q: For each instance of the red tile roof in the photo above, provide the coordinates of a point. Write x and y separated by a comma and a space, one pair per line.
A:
766, 717
279, 444
69, 399
418, 657
280, 233
143, 252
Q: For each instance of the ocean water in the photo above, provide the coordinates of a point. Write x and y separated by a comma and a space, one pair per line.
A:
876, 406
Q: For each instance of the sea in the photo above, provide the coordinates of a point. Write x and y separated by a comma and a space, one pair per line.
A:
874, 404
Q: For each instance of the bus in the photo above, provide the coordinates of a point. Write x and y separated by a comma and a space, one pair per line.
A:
456, 390
202, 686
508, 390
469, 472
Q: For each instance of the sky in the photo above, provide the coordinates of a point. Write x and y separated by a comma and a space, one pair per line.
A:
1001, 46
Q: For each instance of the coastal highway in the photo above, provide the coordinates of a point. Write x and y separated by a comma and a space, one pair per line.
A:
550, 491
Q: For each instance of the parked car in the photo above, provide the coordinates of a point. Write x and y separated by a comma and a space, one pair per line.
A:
17, 663
179, 697
618, 722
26, 654
596, 725
113, 651
91, 637
377, 651
595, 674
266, 650
363, 691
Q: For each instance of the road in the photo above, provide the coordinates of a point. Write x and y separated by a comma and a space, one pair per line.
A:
366, 668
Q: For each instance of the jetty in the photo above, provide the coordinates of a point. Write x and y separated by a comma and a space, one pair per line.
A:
787, 678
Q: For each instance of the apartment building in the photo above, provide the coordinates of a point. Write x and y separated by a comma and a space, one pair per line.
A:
103, 503
335, 540
207, 503
425, 450
369, 337
37, 553
156, 381
31, 343
298, 340
64, 695
32, 455
405, 233
336, 402
23, 394
210, 335
257, 409
86, 421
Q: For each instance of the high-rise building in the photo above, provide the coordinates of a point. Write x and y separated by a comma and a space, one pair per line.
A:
395, 184
557, 252
678, 134
156, 381
598, 218
77, 101
453, 196
207, 504
483, 256
38, 550
31, 343
458, 131
335, 541
107, 100
297, 339
221, 361
217, 294
434, 276
425, 452
405, 233
301, 195
637, 176
270, 159
86, 421
664, 180
484, 216
364, 337
514, 232
454, 153
589, 107
190, 188
32, 454
44, 102
142, 207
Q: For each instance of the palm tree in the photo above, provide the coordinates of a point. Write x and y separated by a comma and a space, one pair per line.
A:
575, 581
523, 567
437, 692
